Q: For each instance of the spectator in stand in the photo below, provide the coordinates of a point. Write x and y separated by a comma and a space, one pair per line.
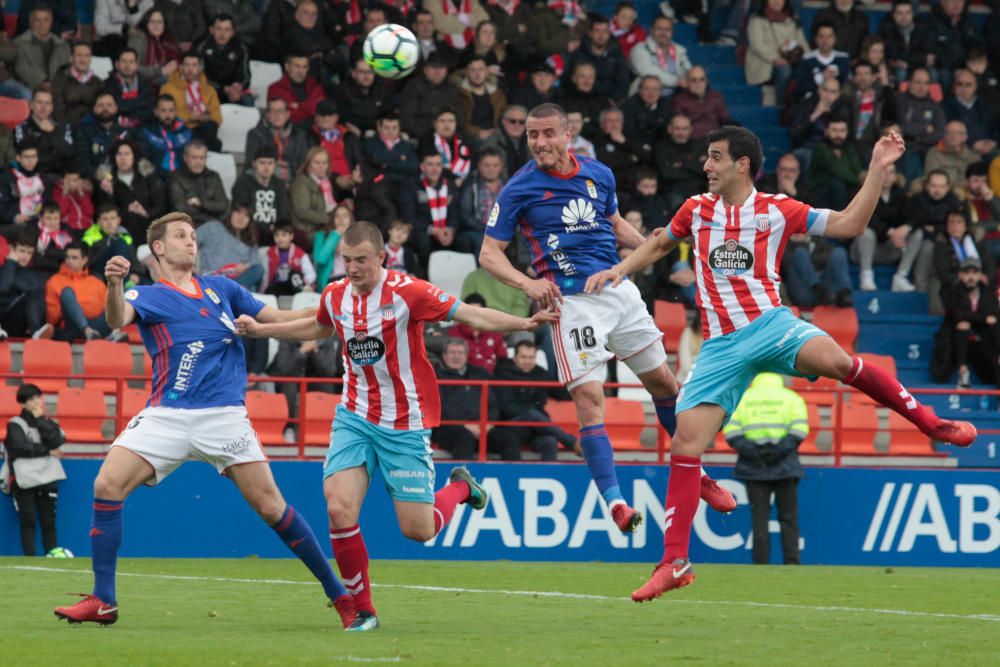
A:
74, 299
73, 195
23, 188
921, 119
484, 43
952, 156
94, 136
64, 16
107, 238
426, 96
195, 189
706, 108
230, 249
75, 87
600, 50
652, 205
926, 213
991, 30
389, 153
10, 86
362, 98
312, 358
326, 247
680, 161
539, 89
871, 106
957, 245
158, 52
873, 52
425, 202
197, 104
52, 241
888, 236
461, 402
975, 112
955, 33
553, 28
40, 52
132, 186
816, 272
646, 115
299, 89
113, 19
661, 57
766, 430
446, 141
312, 196
984, 208
265, 195
908, 43
811, 116
164, 137
511, 139
850, 25
987, 82
578, 144
775, 45
430, 40
620, 153
185, 21
307, 36
580, 95
835, 168
969, 338
227, 61
476, 199
54, 140
244, 15
374, 196
456, 20
22, 290
275, 131
288, 269
625, 28
398, 255
824, 63
341, 145
134, 96
484, 348
786, 178
482, 102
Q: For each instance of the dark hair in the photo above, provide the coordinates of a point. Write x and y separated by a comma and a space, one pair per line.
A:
645, 172
475, 298
222, 16
295, 54
959, 211
977, 169
284, 226
190, 54
157, 229
362, 231
918, 68
476, 58
113, 153
525, 343
26, 236
106, 207
426, 151
128, 49
79, 44
26, 392
78, 245
28, 143
50, 207
105, 93
387, 114
863, 63
399, 222
166, 98
623, 5
937, 172
548, 110
742, 143
822, 24
443, 110
593, 18
489, 151
248, 235
264, 152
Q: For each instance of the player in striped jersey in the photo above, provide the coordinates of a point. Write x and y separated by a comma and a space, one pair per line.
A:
390, 401
738, 236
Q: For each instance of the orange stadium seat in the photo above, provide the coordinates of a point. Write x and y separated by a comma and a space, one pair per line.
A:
563, 414
133, 401
809, 445
320, 407
13, 111
906, 439
133, 334
81, 413
269, 414
47, 357
840, 323
5, 362
8, 407
624, 421
819, 392
859, 427
671, 319
102, 357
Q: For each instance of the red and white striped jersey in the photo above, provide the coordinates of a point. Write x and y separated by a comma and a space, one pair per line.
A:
737, 253
388, 378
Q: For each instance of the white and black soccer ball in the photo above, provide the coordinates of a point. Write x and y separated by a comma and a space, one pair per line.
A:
59, 552
391, 51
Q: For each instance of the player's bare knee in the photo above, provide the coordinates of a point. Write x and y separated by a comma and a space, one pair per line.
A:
342, 514
842, 365
660, 383
589, 404
418, 531
108, 488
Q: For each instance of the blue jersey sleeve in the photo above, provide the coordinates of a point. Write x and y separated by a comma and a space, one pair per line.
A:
504, 217
611, 201
240, 299
149, 309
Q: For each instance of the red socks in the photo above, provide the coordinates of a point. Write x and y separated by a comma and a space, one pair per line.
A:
887, 390
683, 495
352, 559
445, 502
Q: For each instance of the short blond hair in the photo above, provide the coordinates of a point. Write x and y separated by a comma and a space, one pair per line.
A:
157, 229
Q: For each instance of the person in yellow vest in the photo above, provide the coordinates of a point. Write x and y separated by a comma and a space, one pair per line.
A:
766, 431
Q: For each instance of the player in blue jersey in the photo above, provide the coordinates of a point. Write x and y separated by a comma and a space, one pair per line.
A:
195, 410
567, 210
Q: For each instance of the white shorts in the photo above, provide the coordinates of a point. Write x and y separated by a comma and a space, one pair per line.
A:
593, 328
167, 437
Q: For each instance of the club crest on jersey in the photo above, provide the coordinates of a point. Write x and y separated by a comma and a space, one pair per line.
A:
494, 215
365, 350
131, 295
730, 259
591, 189
388, 312
579, 215
762, 222
213, 296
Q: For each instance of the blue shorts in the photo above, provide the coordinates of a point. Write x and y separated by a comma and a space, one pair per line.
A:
404, 456
727, 365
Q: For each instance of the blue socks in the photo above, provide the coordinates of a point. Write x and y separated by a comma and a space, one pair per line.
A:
601, 460
299, 537
105, 540
666, 414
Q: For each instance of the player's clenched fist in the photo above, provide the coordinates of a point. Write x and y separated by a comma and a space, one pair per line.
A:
116, 270
246, 326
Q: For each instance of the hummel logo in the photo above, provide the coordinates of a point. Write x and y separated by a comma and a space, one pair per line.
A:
547, 195
679, 573
104, 611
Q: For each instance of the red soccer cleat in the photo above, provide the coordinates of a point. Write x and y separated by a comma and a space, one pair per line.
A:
626, 518
345, 607
91, 609
717, 497
960, 434
666, 577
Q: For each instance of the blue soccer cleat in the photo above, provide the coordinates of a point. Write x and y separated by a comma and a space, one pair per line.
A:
363, 622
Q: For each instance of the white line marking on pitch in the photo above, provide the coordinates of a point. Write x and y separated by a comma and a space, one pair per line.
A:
354, 658
540, 594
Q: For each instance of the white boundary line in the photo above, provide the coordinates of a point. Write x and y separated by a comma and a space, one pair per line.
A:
540, 594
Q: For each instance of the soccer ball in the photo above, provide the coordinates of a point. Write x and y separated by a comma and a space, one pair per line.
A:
59, 552
392, 51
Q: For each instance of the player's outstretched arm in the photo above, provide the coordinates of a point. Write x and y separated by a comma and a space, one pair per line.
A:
305, 328
270, 314
117, 312
626, 234
493, 259
488, 319
657, 246
852, 220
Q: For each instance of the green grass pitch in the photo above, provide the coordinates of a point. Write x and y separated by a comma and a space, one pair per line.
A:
269, 612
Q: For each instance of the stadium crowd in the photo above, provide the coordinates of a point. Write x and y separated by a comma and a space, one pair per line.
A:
424, 158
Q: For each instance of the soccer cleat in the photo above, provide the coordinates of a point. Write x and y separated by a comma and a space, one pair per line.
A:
478, 496
626, 518
960, 434
363, 622
345, 607
717, 497
91, 609
666, 577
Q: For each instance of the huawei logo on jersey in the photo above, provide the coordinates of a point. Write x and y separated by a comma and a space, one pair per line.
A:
579, 215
